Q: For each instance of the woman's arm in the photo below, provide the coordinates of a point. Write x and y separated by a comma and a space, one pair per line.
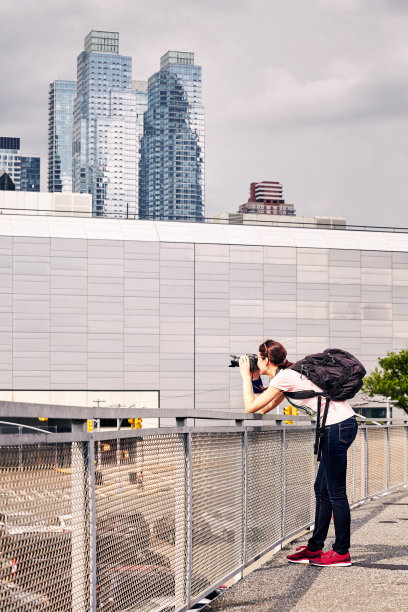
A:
264, 402
274, 403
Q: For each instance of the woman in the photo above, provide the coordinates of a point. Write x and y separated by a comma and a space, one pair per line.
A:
340, 432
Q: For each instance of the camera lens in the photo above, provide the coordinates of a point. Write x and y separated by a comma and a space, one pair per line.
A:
253, 362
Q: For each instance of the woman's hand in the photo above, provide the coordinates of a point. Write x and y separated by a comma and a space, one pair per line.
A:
244, 367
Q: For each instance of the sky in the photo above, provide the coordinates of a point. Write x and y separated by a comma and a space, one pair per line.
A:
313, 93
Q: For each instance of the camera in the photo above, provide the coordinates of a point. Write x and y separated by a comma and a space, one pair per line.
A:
253, 362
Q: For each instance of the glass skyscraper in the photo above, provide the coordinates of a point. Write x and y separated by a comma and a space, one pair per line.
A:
172, 148
23, 170
108, 125
60, 122
30, 173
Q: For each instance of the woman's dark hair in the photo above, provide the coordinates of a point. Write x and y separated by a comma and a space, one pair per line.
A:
276, 353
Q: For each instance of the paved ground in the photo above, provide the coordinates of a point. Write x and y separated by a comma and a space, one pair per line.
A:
377, 580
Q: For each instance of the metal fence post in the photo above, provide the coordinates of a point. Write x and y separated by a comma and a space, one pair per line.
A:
245, 483
181, 524
92, 525
20, 451
284, 481
189, 516
406, 454
388, 446
366, 458
79, 533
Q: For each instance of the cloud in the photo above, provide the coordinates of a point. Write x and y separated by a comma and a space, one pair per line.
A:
341, 5
350, 6
348, 93
302, 92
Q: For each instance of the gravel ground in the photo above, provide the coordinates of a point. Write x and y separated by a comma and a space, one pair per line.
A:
377, 580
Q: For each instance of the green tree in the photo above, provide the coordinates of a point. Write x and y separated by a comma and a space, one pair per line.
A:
391, 379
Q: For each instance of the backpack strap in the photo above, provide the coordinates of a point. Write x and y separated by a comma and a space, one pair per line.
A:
301, 394
318, 431
319, 438
319, 428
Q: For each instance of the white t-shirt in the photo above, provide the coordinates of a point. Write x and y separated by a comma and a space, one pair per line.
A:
289, 380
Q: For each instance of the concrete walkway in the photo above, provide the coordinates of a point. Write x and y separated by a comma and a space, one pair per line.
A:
377, 580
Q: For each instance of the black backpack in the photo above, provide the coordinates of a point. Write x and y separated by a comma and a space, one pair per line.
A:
340, 376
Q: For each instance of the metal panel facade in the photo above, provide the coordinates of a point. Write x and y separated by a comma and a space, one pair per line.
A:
98, 314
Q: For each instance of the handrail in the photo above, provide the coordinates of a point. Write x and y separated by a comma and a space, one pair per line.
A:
25, 426
67, 412
56, 411
186, 219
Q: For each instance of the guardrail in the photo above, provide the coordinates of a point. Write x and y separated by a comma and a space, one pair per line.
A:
155, 519
318, 224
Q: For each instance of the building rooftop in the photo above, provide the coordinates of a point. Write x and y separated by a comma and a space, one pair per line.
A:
176, 57
6, 183
9, 142
351, 237
139, 85
102, 42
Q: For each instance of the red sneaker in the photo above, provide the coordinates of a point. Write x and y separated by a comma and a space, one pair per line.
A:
332, 558
304, 555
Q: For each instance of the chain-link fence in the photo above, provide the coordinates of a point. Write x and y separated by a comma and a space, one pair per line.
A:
45, 527
152, 520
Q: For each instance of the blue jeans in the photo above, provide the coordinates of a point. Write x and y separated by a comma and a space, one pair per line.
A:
330, 487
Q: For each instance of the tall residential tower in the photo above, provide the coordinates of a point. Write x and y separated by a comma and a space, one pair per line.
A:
60, 121
172, 148
108, 123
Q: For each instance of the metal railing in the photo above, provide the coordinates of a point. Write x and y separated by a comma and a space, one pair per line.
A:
155, 519
318, 224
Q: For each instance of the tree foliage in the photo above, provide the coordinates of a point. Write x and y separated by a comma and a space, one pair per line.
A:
391, 379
